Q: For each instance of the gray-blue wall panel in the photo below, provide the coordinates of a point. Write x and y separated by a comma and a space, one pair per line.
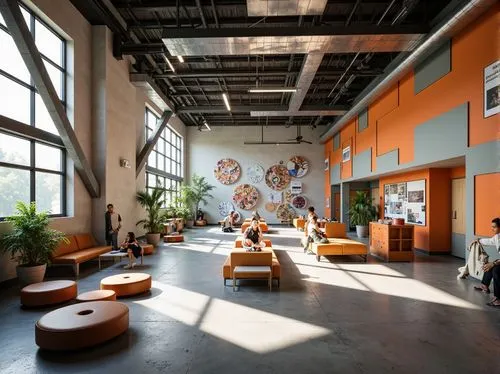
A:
434, 67
458, 245
362, 164
335, 174
363, 120
336, 141
388, 162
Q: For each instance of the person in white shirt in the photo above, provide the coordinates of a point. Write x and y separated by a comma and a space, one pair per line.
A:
227, 224
492, 269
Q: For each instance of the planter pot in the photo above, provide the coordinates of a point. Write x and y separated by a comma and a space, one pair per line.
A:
362, 231
30, 274
153, 239
189, 223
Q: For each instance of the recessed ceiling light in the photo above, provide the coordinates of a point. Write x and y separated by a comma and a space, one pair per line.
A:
226, 101
169, 63
271, 89
181, 59
205, 123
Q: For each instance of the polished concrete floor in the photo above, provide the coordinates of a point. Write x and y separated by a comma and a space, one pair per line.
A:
336, 316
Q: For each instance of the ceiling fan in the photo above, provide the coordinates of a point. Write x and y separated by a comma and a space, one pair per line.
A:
297, 140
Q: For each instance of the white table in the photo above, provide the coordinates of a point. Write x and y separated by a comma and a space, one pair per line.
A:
112, 255
242, 270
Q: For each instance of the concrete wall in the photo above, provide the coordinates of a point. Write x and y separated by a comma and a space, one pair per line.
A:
206, 148
107, 113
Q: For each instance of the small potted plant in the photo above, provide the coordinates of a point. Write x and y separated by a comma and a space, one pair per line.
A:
30, 242
361, 213
152, 201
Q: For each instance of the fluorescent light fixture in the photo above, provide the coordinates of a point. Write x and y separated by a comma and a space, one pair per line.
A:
206, 125
226, 101
271, 89
169, 63
181, 59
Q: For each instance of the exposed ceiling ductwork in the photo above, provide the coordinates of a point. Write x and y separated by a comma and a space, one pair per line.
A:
266, 8
462, 16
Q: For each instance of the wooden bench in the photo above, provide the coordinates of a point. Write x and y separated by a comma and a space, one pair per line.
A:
340, 247
241, 272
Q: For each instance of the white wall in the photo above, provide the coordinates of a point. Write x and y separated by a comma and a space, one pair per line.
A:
206, 148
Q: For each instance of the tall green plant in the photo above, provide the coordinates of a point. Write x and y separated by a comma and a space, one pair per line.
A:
152, 201
198, 191
362, 211
31, 241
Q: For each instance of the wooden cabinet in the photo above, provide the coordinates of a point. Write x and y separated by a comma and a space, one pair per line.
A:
392, 242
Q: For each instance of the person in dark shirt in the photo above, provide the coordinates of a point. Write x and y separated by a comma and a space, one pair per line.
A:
131, 246
252, 237
113, 223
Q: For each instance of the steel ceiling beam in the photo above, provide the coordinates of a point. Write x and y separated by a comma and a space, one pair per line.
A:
143, 155
256, 108
26, 45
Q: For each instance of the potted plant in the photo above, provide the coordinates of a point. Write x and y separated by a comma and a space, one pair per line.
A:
361, 213
30, 242
153, 201
195, 193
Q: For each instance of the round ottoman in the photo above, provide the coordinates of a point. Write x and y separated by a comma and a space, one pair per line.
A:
97, 295
201, 222
81, 325
148, 249
127, 284
174, 238
48, 293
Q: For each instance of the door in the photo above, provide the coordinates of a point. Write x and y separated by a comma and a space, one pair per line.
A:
458, 217
336, 206
376, 199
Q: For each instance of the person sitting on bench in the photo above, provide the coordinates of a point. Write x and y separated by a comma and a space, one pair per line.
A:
131, 246
492, 269
314, 234
252, 237
227, 224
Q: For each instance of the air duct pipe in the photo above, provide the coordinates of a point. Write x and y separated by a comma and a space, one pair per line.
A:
460, 18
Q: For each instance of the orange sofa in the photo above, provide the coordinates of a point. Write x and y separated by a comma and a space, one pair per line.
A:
335, 230
299, 223
340, 247
240, 257
263, 226
81, 248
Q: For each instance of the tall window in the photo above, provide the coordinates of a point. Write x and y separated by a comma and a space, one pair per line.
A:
31, 170
164, 164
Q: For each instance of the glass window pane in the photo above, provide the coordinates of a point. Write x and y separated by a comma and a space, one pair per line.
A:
48, 43
151, 180
47, 157
2, 20
56, 77
27, 17
152, 159
15, 186
15, 100
167, 167
12, 62
151, 120
14, 150
42, 117
48, 189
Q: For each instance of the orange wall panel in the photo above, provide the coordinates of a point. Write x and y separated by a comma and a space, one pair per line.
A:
457, 172
439, 201
486, 206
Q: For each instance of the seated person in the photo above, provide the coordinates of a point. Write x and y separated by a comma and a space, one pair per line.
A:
313, 234
227, 224
199, 215
131, 246
256, 215
492, 269
252, 237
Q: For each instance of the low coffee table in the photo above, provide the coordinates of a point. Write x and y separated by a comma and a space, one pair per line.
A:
112, 255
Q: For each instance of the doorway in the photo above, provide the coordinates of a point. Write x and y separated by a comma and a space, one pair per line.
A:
458, 217
336, 206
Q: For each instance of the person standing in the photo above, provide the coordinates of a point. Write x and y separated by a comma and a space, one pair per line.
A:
113, 224
492, 269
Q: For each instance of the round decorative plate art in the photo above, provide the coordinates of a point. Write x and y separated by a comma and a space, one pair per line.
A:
299, 202
245, 196
297, 166
270, 207
255, 173
277, 177
285, 212
225, 207
227, 171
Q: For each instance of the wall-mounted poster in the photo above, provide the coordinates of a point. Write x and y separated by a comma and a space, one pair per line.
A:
275, 197
405, 200
296, 187
327, 164
327, 202
492, 89
346, 154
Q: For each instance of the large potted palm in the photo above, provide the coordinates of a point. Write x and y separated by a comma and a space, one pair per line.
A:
361, 213
196, 193
152, 201
30, 242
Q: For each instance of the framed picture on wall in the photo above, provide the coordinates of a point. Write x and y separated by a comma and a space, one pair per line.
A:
492, 89
346, 154
327, 202
327, 164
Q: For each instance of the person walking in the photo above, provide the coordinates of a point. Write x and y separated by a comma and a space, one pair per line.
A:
113, 224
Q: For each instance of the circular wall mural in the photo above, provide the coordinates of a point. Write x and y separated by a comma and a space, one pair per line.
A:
245, 196
299, 202
277, 177
255, 173
297, 166
227, 171
270, 207
225, 207
285, 212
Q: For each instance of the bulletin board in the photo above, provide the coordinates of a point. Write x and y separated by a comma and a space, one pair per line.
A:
406, 200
